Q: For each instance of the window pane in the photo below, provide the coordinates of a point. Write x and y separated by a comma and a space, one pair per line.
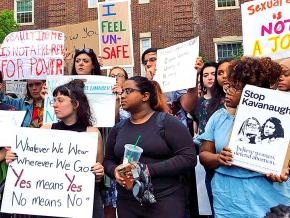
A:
226, 3
24, 11
228, 50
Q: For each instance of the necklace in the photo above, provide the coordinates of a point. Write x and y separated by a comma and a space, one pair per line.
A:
145, 118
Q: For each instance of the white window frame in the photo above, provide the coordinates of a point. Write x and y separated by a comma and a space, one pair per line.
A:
144, 36
140, 2
226, 40
217, 8
15, 13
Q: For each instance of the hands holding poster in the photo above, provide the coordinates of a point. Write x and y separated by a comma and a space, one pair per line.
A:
175, 66
99, 93
266, 28
32, 54
115, 34
260, 137
51, 175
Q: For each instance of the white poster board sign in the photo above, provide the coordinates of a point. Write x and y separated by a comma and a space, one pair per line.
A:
16, 87
260, 136
175, 66
51, 176
266, 28
11, 118
99, 93
202, 195
32, 54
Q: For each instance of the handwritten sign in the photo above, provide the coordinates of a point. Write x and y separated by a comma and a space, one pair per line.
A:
11, 118
175, 66
266, 28
260, 136
16, 87
99, 93
32, 54
81, 35
115, 34
51, 175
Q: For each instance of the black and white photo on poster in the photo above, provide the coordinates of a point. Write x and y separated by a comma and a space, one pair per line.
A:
260, 135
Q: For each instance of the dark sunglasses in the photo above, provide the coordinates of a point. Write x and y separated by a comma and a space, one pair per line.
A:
86, 50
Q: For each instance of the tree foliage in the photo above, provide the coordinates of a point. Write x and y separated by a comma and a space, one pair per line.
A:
7, 24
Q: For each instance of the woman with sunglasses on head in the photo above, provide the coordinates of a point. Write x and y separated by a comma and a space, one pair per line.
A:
238, 192
32, 103
85, 62
72, 108
168, 152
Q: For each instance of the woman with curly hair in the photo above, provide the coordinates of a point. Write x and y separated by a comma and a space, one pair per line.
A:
272, 130
238, 192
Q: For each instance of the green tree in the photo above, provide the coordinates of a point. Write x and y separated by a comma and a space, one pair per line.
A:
7, 24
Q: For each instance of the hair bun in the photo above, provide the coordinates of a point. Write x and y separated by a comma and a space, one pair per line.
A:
77, 82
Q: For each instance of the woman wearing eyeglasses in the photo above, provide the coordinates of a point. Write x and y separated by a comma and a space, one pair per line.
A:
72, 109
85, 62
166, 156
238, 192
32, 104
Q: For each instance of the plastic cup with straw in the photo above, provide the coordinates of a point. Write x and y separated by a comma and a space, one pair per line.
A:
132, 152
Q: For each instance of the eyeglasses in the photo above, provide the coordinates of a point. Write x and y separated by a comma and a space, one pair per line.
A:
86, 50
153, 59
228, 89
252, 125
30, 85
57, 101
129, 91
119, 75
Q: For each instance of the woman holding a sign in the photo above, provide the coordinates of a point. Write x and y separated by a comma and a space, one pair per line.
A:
239, 192
72, 108
32, 104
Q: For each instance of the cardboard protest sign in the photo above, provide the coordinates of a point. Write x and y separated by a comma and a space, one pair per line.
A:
11, 118
51, 176
260, 136
99, 93
32, 54
115, 34
266, 28
80, 35
175, 66
16, 87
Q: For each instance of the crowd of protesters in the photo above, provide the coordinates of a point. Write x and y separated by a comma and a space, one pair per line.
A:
175, 127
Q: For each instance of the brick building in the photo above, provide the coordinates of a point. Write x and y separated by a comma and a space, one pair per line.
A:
156, 23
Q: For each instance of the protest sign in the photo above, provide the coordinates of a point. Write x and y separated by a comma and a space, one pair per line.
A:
11, 118
266, 28
32, 54
99, 93
175, 66
51, 175
16, 87
260, 136
115, 34
81, 35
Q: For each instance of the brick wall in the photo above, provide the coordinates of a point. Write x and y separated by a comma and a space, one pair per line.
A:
170, 22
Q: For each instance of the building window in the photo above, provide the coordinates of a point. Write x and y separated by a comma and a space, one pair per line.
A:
228, 50
145, 43
24, 11
226, 4
143, 1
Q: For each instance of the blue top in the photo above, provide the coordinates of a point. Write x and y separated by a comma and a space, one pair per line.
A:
218, 130
20, 104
